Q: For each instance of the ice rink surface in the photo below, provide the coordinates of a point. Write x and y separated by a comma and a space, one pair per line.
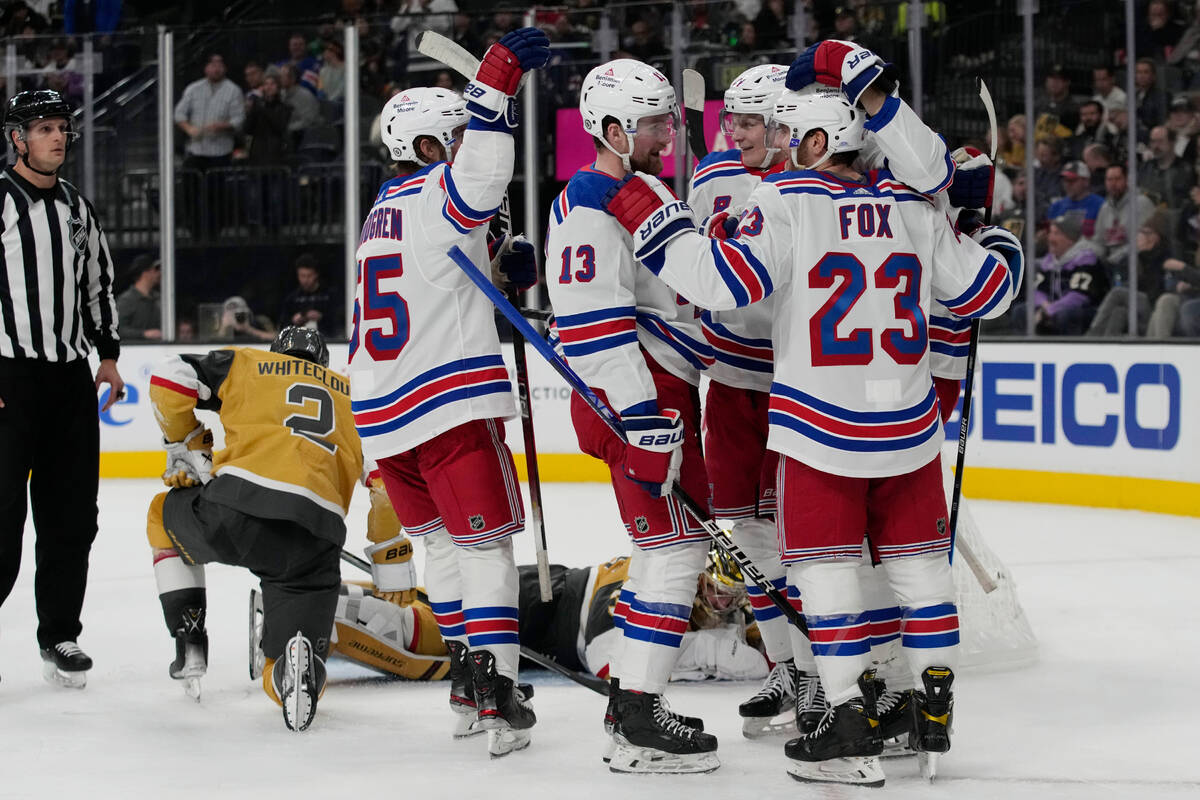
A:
1109, 710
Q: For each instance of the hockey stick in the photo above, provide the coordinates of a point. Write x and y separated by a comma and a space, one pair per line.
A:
693, 103
598, 685
985, 581
459, 59
748, 568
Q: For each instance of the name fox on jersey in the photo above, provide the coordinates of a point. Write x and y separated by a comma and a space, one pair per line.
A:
295, 366
383, 223
870, 220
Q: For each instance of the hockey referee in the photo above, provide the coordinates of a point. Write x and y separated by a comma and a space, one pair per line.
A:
56, 303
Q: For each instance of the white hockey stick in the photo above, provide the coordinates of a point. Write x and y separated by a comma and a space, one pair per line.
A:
459, 59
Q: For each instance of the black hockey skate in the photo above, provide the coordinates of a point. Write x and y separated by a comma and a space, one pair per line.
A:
649, 738
299, 679
610, 716
845, 745
191, 651
932, 712
810, 701
65, 664
772, 711
895, 722
503, 706
462, 693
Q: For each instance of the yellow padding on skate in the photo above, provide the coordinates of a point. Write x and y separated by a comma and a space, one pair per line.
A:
156, 532
941, 719
268, 682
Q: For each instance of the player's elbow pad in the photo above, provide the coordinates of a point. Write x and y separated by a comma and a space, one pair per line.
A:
1003, 244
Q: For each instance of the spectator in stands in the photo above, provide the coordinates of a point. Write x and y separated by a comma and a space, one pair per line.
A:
332, 85
1186, 53
1105, 89
1093, 128
444, 79
306, 68
1013, 217
1151, 100
644, 41
1013, 151
1078, 197
1070, 283
306, 111
267, 118
1098, 159
414, 16
746, 39
253, 73
1112, 317
311, 303
185, 330
1047, 180
1055, 98
91, 16
1111, 237
1165, 177
1159, 32
210, 112
139, 313
772, 24
1185, 124
17, 17
1177, 311
239, 324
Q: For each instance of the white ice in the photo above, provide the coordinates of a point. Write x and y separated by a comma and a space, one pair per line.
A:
1109, 711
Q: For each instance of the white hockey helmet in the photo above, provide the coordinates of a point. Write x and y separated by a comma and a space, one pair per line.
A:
818, 108
626, 90
755, 91
421, 112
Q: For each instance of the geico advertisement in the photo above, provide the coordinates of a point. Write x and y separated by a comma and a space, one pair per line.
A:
1112, 409
1104, 409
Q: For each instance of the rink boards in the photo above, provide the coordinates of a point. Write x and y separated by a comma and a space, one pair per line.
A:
1080, 424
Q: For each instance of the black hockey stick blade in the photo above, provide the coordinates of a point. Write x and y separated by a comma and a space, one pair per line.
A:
693, 103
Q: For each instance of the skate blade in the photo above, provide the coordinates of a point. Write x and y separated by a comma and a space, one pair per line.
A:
466, 726
191, 687
929, 764
298, 704
631, 759
67, 680
783, 724
503, 741
896, 747
856, 771
610, 747
257, 659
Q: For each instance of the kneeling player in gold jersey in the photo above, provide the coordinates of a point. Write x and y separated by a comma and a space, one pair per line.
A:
273, 501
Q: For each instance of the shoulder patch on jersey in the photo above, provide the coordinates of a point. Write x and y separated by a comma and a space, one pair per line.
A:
395, 187
587, 187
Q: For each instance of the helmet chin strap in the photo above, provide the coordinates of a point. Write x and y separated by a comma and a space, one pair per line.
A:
623, 156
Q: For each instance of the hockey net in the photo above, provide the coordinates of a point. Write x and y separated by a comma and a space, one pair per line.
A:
993, 630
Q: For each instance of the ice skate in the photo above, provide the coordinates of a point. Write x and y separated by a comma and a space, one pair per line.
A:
299, 678
772, 711
610, 716
650, 739
462, 693
932, 713
65, 665
895, 722
843, 747
257, 659
503, 707
191, 662
810, 701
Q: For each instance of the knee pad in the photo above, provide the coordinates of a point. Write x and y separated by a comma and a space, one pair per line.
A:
669, 575
156, 531
759, 538
828, 587
921, 580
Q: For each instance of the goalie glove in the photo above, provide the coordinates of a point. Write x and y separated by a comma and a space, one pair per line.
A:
393, 571
489, 93
651, 213
654, 451
189, 462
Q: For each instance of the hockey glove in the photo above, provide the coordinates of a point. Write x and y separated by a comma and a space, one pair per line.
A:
189, 462
651, 213
488, 94
973, 179
655, 450
517, 263
1003, 244
840, 64
393, 571
721, 225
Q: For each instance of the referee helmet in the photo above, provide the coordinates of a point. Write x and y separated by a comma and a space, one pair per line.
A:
26, 107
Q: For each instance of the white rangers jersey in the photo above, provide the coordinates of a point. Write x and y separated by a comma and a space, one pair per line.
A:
424, 353
853, 268
895, 139
608, 308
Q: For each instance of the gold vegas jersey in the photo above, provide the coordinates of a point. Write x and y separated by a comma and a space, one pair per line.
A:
291, 451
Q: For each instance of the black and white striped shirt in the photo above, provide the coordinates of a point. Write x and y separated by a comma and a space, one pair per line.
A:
56, 274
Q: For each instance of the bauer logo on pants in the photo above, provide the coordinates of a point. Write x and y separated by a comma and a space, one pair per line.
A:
476, 521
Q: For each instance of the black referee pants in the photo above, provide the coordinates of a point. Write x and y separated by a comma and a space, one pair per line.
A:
50, 439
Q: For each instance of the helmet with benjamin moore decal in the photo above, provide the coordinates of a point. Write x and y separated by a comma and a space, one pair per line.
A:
819, 108
421, 112
755, 91
628, 91
306, 343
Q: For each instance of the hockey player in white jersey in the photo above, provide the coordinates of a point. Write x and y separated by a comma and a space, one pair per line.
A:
853, 261
640, 346
429, 388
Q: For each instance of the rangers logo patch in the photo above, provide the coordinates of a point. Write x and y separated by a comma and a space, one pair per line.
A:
941, 526
78, 234
641, 524
476, 521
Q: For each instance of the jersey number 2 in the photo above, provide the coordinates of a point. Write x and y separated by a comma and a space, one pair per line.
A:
857, 348
387, 307
313, 427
